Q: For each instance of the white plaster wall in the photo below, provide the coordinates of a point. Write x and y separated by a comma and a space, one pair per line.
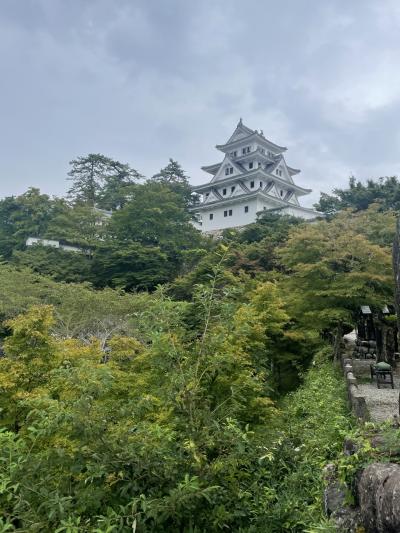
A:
69, 248
238, 218
30, 241
299, 212
263, 204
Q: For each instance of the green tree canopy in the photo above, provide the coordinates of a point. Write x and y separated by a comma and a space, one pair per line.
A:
359, 196
100, 179
174, 177
155, 216
333, 269
27, 215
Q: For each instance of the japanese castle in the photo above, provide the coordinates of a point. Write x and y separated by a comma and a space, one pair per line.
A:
252, 177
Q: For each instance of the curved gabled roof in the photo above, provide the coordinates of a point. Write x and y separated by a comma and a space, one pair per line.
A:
300, 191
212, 169
293, 171
248, 138
240, 130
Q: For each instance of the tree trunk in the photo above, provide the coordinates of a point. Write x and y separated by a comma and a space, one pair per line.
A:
338, 341
396, 272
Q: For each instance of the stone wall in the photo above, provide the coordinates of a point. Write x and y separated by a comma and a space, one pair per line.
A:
357, 401
376, 487
379, 497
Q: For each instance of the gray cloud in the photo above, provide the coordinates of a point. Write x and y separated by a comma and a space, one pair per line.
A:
143, 81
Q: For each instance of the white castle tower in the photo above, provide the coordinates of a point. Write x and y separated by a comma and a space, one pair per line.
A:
252, 177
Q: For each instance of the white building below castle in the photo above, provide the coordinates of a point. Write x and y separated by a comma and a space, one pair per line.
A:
252, 177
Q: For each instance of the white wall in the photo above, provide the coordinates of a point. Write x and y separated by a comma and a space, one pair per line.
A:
299, 212
238, 218
30, 241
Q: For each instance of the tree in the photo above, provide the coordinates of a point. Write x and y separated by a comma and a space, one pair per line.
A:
156, 216
60, 265
385, 191
270, 226
118, 187
8, 238
174, 177
130, 266
332, 271
79, 224
27, 215
30, 337
173, 173
97, 177
396, 271
30, 355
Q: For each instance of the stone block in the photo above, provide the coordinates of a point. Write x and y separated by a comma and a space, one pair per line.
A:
348, 368
351, 378
379, 497
358, 403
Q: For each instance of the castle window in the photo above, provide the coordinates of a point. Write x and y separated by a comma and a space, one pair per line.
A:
261, 184
226, 171
281, 193
246, 208
259, 164
233, 189
251, 165
224, 191
252, 185
225, 213
230, 170
230, 212
211, 216
234, 154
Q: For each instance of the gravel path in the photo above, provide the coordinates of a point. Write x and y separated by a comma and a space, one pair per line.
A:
382, 403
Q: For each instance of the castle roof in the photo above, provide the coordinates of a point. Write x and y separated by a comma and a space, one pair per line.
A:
243, 135
253, 176
254, 173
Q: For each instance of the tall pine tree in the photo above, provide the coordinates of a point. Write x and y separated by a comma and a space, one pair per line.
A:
98, 179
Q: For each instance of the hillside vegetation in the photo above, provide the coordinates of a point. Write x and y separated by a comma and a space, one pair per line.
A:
164, 381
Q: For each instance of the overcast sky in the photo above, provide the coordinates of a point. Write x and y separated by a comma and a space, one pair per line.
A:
145, 80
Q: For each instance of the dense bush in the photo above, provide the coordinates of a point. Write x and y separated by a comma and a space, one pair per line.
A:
199, 407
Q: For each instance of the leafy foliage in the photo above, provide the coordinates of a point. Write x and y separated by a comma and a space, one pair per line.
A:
208, 404
175, 178
359, 196
333, 270
100, 179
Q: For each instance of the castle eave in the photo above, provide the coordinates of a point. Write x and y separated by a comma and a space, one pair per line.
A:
241, 199
211, 169
259, 172
293, 171
231, 145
